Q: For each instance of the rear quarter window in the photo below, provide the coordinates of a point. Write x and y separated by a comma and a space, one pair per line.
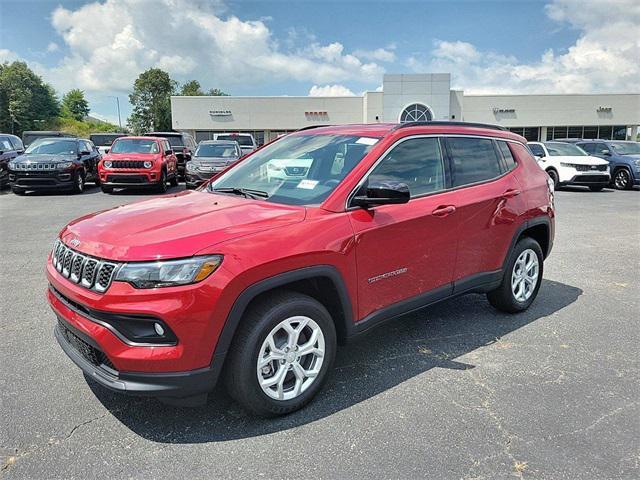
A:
473, 160
507, 156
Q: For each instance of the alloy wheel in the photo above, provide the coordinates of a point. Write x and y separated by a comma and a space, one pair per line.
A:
524, 277
290, 358
621, 180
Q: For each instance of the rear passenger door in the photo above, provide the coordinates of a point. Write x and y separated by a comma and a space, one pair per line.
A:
406, 250
489, 203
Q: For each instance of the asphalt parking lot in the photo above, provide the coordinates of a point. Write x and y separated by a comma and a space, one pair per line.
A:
455, 391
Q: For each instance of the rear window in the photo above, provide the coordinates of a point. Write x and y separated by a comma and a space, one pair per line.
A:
474, 160
134, 145
213, 150
243, 140
104, 140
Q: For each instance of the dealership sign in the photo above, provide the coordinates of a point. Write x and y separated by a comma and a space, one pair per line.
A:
604, 109
497, 110
220, 113
317, 115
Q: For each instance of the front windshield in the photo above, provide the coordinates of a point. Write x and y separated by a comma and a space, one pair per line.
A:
565, 150
626, 148
134, 145
212, 150
53, 146
297, 169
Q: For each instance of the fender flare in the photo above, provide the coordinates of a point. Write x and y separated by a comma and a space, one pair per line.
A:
542, 220
250, 293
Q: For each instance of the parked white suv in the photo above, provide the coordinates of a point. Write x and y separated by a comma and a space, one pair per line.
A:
245, 140
568, 164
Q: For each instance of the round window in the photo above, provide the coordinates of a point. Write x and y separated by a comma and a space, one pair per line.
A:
415, 112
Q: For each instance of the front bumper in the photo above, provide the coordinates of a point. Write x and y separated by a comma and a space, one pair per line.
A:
590, 180
133, 178
42, 180
81, 349
195, 178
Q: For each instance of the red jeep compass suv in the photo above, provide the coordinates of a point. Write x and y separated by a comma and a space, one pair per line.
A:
256, 278
138, 162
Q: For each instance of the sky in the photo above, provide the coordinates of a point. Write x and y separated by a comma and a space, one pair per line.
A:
307, 47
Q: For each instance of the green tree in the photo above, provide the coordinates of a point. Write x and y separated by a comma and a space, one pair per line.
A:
214, 92
151, 101
192, 88
26, 102
74, 105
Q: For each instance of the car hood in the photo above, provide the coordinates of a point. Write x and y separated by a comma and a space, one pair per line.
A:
131, 156
174, 226
579, 160
214, 160
39, 158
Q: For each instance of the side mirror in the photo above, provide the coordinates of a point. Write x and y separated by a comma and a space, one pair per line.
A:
606, 152
85, 152
168, 152
106, 150
383, 193
19, 152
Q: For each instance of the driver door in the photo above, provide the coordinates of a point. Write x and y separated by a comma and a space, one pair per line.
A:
405, 254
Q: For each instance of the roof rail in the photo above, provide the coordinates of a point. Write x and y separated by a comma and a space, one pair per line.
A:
449, 124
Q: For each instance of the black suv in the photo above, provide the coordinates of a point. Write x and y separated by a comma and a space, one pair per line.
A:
182, 144
30, 136
55, 163
10, 147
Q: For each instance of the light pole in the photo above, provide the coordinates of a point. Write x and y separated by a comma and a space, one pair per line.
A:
118, 105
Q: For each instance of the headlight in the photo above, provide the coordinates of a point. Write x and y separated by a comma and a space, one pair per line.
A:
169, 273
568, 165
148, 164
637, 162
191, 166
64, 165
107, 164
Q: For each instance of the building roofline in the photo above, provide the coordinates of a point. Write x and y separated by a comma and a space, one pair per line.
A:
545, 94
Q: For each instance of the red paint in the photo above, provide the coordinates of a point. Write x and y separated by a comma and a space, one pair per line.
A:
438, 239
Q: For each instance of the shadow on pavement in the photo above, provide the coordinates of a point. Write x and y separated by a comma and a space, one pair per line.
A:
409, 346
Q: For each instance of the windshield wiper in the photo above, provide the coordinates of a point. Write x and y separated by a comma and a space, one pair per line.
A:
245, 192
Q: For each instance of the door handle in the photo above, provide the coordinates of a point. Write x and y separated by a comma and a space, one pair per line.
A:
511, 193
443, 211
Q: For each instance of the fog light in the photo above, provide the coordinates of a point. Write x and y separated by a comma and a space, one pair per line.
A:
158, 328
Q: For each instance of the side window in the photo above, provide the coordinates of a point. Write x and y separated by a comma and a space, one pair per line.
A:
165, 146
416, 162
536, 149
588, 147
5, 144
599, 148
17, 144
474, 160
509, 161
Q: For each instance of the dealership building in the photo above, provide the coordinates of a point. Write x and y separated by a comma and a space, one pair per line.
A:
414, 97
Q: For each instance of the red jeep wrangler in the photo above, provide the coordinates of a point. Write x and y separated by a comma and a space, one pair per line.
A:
258, 276
138, 162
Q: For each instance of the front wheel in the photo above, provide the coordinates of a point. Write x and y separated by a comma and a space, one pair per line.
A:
162, 184
78, 185
281, 354
622, 180
521, 280
174, 180
554, 177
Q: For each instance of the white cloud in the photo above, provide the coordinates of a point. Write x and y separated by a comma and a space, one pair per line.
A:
189, 39
52, 47
379, 54
604, 58
7, 55
330, 91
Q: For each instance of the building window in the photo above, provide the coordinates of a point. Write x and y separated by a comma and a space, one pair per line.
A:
590, 132
574, 132
605, 133
416, 112
530, 133
619, 132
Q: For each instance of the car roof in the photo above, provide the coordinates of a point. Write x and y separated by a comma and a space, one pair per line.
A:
236, 134
122, 134
218, 142
435, 127
164, 134
140, 137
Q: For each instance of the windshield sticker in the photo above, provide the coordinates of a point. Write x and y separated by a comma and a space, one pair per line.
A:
367, 141
307, 184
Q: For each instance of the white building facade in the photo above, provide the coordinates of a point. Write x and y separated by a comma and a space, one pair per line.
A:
413, 97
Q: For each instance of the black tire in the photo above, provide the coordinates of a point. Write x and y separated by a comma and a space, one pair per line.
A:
554, 176
106, 189
622, 179
503, 298
241, 366
174, 180
17, 191
78, 182
596, 189
96, 180
162, 183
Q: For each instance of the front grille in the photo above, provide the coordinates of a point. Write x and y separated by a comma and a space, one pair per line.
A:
92, 273
89, 352
132, 179
591, 178
127, 164
35, 166
591, 168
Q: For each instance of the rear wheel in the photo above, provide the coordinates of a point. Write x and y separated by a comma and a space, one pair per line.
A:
521, 280
622, 179
281, 354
